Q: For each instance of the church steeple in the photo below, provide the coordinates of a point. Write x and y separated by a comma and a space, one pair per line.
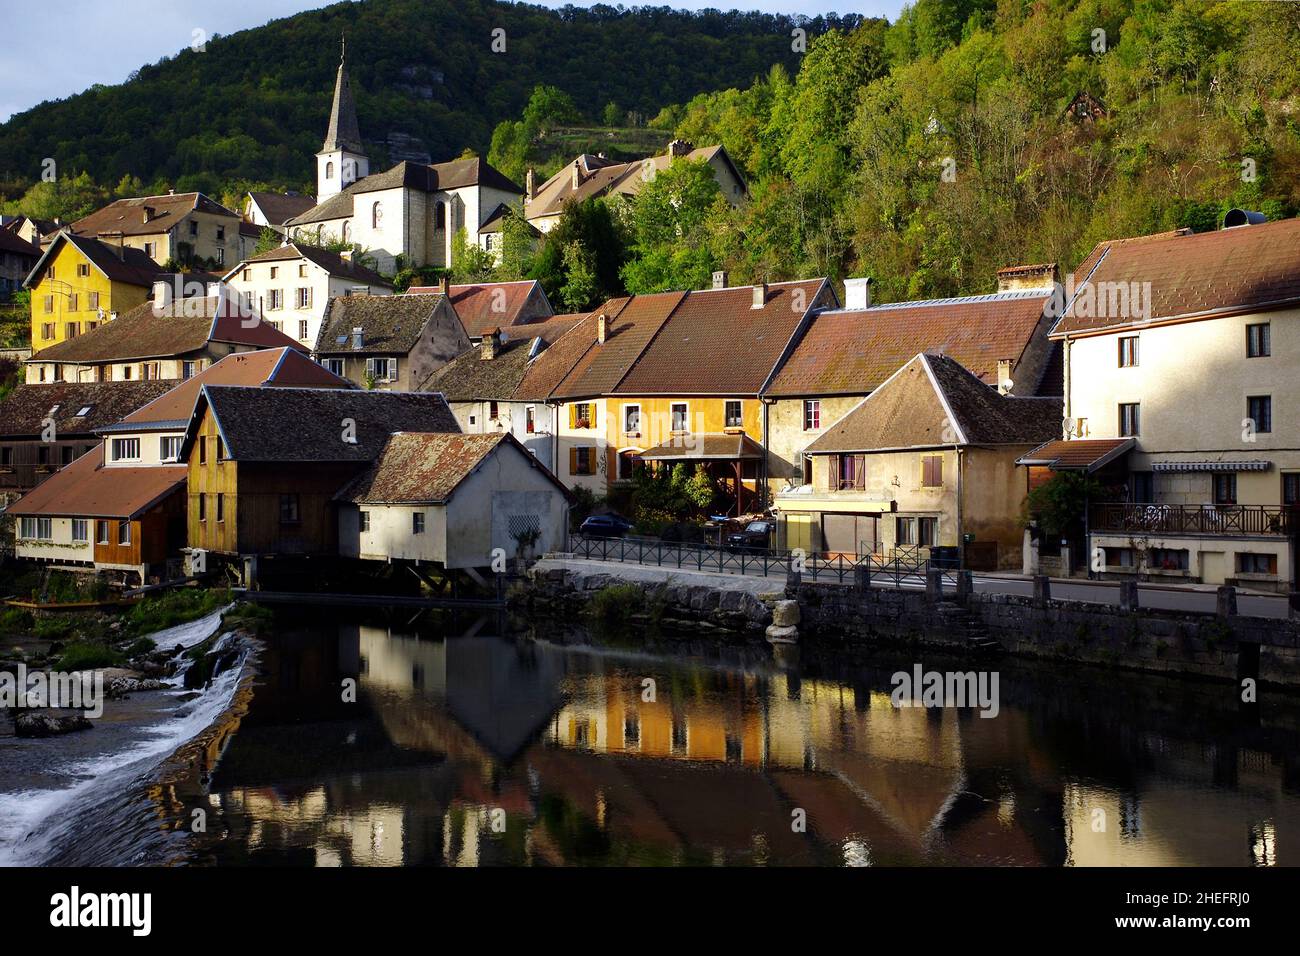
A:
342, 160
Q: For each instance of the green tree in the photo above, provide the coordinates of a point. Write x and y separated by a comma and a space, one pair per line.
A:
611, 115
670, 241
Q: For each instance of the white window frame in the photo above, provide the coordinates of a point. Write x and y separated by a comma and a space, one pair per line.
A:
626, 409
120, 445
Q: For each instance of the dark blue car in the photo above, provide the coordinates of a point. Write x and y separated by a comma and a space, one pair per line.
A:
606, 526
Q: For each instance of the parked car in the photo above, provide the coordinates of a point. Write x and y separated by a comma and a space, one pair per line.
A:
756, 536
606, 526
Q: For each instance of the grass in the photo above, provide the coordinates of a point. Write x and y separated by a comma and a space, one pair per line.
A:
172, 608
16, 620
616, 603
86, 655
249, 616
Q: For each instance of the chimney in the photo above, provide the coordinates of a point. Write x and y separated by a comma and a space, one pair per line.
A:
358, 337
490, 345
602, 328
530, 184
760, 296
162, 293
857, 293
678, 147
720, 279
1004, 376
345, 255
148, 213
577, 173
1243, 217
444, 286
1018, 278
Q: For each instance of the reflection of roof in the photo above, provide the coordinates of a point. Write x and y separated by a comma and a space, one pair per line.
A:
723, 447
85, 488
26, 409
1087, 454
933, 401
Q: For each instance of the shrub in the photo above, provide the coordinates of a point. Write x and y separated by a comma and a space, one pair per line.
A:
85, 655
15, 620
53, 628
616, 603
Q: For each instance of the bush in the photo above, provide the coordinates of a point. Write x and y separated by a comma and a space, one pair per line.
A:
616, 603
15, 620
53, 628
141, 647
86, 655
174, 607
249, 616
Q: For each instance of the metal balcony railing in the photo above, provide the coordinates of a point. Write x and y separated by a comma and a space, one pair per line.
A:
1194, 519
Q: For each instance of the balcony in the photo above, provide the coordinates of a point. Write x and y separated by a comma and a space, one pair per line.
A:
1158, 519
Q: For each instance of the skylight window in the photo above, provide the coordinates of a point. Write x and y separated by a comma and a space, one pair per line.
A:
84, 411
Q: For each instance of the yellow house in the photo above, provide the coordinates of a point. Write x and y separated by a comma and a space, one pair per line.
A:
80, 283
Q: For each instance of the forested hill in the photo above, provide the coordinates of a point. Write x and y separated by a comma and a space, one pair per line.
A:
252, 106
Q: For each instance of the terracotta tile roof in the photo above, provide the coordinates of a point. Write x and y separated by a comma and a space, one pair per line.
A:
484, 306
306, 424
283, 368
280, 207
423, 467
391, 324
120, 264
24, 410
716, 343
932, 402
723, 446
1087, 454
470, 377
851, 351
632, 324
546, 372
177, 329
87, 489
1246, 267
127, 216
331, 262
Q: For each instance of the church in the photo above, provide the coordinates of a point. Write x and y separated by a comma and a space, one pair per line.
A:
411, 210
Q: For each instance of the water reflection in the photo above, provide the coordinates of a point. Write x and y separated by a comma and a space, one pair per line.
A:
477, 750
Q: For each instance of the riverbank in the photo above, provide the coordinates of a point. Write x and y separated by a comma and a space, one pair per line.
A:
849, 617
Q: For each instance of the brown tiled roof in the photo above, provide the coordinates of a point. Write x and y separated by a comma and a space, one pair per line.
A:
546, 372
118, 263
283, 368
484, 306
632, 323
1246, 267
391, 324
933, 401
15, 244
422, 467
308, 424
724, 446
331, 262
127, 215
280, 207
851, 351
470, 377
716, 343
87, 489
142, 334
24, 410
1087, 454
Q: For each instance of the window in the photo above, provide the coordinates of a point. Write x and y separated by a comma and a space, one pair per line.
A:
1167, 559
70, 330
335, 366
365, 521
49, 306
275, 299
275, 272
382, 369
1119, 557
1258, 340
203, 450
151, 250
43, 455
582, 415
680, 416
1129, 419
80, 530
248, 275
329, 170
904, 531
927, 531
1225, 489
123, 533
582, 460
203, 507
302, 271
733, 416
852, 472
101, 532
440, 217
221, 507
530, 419
73, 303
126, 449
289, 509
376, 215
1291, 488
169, 448
302, 329
1128, 351
302, 297
494, 411
812, 415
1254, 563
632, 419
83, 270
187, 370
39, 529
417, 522
221, 233
1259, 409
126, 373
1142, 487
150, 371
92, 301
932, 471
219, 448
7, 456
67, 455
194, 227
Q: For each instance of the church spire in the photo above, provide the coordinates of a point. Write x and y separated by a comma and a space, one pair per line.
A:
344, 133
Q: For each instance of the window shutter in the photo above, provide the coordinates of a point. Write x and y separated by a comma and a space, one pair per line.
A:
573, 457
592, 414
392, 369
573, 419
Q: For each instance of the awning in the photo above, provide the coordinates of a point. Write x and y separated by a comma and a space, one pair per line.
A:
704, 447
1080, 454
1214, 466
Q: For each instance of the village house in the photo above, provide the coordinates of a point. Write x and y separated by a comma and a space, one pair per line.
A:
273, 210
46, 427
927, 461
491, 235
265, 465
128, 488
291, 286
490, 390
484, 306
38, 232
185, 228
413, 211
845, 354
174, 340
17, 259
589, 176
390, 343
80, 283
1178, 348
452, 500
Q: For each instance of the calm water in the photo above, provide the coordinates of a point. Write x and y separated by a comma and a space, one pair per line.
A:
466, 749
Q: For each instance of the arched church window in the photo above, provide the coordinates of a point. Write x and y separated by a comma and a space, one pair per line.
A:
347, 231
376, 215
440, 217
329, 170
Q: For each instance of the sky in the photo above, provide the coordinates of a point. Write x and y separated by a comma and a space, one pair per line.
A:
117, 33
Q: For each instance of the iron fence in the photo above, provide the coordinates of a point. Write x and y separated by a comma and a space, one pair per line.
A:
1194, 519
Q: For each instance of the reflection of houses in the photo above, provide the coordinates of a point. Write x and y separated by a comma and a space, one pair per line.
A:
1172, 376
927, 460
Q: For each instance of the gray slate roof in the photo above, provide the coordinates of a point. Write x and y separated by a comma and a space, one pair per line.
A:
391, 323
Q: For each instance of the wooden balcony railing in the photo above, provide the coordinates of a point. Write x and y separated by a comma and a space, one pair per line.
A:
1194, 519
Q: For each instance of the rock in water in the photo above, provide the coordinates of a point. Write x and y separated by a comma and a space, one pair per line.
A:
36, 723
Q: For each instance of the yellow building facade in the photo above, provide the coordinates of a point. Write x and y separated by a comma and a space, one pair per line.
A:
73, 293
